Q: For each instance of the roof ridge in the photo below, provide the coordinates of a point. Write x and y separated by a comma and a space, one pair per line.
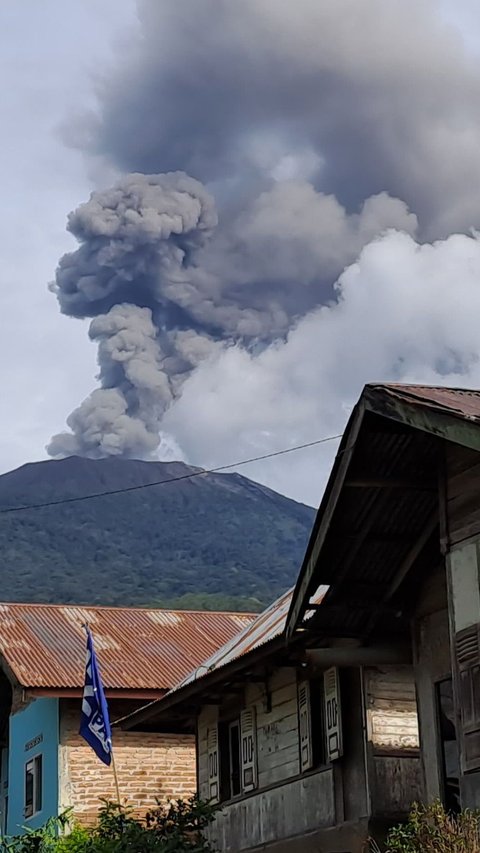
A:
45, 605
416, 385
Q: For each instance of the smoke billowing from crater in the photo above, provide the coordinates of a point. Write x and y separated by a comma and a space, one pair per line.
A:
164, 286
312, 128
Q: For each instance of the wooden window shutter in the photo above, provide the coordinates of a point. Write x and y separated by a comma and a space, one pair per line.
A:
467, 646
248, 733
213, 764
333, 714
305, 725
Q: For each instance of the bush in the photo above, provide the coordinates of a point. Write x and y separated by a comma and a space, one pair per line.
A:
430, 829
176, 828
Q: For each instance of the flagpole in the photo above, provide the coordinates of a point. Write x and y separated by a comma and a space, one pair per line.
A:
114, 768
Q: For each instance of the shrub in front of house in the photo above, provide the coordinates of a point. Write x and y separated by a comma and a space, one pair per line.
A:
431, 829
175, 828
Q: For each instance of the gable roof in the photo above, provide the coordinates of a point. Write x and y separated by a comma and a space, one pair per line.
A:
43, 645
261, 634
393, 428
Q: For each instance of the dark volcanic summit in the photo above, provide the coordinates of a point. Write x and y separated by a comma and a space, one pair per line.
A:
214, 541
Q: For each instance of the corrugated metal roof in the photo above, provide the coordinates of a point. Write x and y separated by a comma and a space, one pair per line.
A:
266, 627
138, 649
462, 402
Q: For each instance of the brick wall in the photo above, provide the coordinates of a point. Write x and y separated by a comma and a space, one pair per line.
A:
150, 766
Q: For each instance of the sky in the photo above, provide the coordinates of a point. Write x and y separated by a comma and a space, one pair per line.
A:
328, 201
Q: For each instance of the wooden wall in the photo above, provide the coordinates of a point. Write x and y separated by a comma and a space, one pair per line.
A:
462, 493
393, 739
286, 804
432, 662
277, 730
391, 709
283, 812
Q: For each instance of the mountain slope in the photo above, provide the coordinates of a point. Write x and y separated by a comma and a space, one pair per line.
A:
196, 542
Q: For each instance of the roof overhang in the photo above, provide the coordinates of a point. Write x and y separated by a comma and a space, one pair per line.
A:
77, 693
195, 693
406, 406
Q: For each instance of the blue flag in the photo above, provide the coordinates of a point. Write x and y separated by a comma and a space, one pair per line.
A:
95, 723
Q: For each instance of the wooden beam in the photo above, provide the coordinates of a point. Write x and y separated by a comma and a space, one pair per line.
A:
77, 693
404, 569
299, 602
359, 656
372, 483
412, 555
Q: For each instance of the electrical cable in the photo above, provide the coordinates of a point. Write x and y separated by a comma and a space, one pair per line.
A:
200, 472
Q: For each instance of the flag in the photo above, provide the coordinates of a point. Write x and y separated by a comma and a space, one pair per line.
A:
95, 722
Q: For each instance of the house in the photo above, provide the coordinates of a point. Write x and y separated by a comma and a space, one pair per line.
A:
46, 766
282, 740
318, 728
397, 541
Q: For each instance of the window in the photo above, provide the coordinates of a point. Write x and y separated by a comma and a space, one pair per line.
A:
311, 728
232, 757
319, 720
33, 786
234, 783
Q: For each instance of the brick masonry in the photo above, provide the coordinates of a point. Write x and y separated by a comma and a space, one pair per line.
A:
150, 766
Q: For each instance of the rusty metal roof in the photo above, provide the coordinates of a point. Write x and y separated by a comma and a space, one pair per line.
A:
43, 645
463, 402
267, 627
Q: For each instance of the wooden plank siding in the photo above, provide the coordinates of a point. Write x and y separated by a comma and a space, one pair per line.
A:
277, 730
393, 739
462, 493
432, 663
285, 804
391, 709
283, 812
208, 716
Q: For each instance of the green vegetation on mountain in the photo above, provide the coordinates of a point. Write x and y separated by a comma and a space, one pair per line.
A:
215, 541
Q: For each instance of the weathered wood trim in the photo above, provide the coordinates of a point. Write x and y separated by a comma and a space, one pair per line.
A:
414, 485
299, 603
443, 503
358, 656
366, 740
324, 768
423, 417
412, 555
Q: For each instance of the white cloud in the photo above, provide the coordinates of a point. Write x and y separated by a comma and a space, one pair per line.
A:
404, 312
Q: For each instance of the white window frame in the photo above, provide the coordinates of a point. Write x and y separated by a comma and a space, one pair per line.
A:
333, 714
304, 710
248, 749
213, 759
37, 762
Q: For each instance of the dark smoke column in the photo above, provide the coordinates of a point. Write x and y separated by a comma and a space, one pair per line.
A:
131, 274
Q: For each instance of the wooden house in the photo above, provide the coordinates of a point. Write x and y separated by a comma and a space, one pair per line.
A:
318, 729
282, 738
397, 541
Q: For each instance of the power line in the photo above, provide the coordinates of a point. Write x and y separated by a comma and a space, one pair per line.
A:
198, 473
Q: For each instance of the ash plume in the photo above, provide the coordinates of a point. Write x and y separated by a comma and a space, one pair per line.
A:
164, 287
313, 128
136, 243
